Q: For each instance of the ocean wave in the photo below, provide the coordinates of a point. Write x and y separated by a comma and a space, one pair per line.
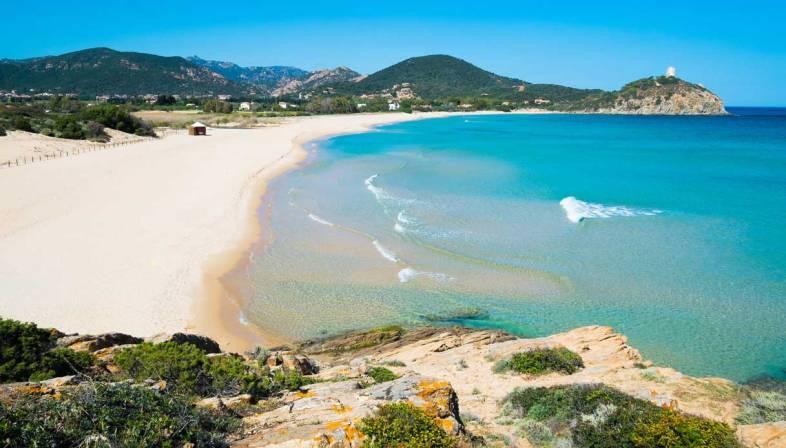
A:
385, 252
407, 274
316, 218
402, 220
382, 196
577, 211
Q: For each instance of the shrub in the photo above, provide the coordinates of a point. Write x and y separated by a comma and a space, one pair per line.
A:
599, 416
22, 123
26, 354
403, 425
381, 374
541, 361
2, 132
189, 370
762, 407
669, 428
112, 415
116, 117
67, 126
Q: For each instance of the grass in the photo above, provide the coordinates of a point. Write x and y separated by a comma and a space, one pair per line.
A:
541, 361
381, 375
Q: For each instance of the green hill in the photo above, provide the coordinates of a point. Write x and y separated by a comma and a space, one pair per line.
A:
103, 71
441, 76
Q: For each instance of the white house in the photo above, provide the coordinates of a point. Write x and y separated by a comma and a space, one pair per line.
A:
244, 106
283, 104
394, 105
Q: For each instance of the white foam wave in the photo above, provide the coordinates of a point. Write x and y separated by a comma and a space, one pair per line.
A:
385, 252
381, 194
577, 211
403, 218
407, 274
399, 228
316, 218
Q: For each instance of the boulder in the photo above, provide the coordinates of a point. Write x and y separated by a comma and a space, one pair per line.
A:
90, 343
200, 342
292, 362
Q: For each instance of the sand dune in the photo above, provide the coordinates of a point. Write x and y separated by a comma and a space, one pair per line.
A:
134, 239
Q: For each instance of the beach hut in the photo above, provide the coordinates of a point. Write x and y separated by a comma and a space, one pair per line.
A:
197, 129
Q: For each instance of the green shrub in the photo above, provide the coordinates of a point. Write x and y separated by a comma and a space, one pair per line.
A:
669, 429
541, 361
189, 370
2, 132
403, 425
599, 416
116, 117
27, 354
111, 415
22, 123
67, 126
381, 374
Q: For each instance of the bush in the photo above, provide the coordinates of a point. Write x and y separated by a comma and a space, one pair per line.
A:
403, 425
599, 416
189, 370
26, 354
116, 117
381, 374
67, 126
112, 415
669, 428
21, 123
217, 106
541, 361
762, 407
2, 132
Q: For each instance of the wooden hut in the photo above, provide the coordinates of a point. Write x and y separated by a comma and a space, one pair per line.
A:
197, 129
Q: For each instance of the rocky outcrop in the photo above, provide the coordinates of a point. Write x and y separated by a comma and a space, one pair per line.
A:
659, 96
90, 343
327, 414
316, 79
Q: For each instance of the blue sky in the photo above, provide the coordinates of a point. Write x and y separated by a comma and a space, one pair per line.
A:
737, 49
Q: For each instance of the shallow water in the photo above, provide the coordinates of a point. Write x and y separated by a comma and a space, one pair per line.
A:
669, 229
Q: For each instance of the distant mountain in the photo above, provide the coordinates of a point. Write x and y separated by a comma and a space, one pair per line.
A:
99, 71
661, 95
317, 79
441, 76
277, 80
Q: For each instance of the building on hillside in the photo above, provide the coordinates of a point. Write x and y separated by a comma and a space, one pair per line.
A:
245, 105
671, 72
361, 105
283, 104
541, 101
197, 129
405, 93
393, 105
224, 97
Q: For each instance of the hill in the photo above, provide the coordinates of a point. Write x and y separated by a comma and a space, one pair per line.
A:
100, 71
657, 95
277, 80
442, 76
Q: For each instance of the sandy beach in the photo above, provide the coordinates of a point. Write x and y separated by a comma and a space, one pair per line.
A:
136, 239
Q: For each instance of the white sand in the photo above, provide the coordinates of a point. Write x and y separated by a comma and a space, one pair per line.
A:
121, 239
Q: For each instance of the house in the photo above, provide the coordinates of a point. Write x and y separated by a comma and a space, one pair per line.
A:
197, 129
393, 105
224, 97
361, 105
244, 106
283, 104
405, 93
541, 101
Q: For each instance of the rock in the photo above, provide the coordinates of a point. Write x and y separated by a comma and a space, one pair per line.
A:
200, 342
90, 343
217, 403
326, 414
763, 435
292, 362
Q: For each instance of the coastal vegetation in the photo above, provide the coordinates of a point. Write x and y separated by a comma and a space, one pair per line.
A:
599, 416
403, 425
29, 353
66, 118
541, 361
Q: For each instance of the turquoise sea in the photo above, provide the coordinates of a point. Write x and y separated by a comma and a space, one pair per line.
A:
670, 229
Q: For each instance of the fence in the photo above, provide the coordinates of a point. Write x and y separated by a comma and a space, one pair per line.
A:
60, 153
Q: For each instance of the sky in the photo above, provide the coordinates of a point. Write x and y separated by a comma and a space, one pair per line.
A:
737, 49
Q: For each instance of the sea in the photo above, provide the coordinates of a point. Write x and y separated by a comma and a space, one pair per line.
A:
671, 230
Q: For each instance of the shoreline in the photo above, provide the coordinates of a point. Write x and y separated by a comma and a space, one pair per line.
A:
220, 295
